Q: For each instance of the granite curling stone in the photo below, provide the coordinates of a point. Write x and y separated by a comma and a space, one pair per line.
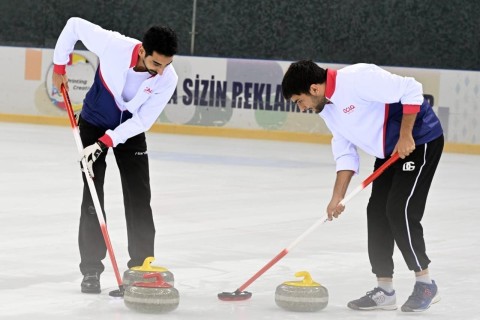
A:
301, 296
151, 297
135, 274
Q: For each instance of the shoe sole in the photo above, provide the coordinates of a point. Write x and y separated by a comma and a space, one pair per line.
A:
434, 300
91, 290
386, 308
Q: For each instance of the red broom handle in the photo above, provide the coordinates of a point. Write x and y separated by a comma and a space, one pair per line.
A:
91, 187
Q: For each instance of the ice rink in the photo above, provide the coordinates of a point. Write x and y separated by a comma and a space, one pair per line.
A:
223, 208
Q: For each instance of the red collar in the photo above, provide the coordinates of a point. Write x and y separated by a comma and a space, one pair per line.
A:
331, 82
133, 63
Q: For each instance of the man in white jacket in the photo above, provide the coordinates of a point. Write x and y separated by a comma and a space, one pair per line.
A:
132, 85
367, 107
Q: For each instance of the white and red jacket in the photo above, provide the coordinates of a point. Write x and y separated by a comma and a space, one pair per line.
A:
103, 105
366, 109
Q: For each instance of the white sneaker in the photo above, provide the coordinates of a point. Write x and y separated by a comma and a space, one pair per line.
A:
377, 299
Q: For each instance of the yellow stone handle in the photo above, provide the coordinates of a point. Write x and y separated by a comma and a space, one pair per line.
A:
146, 266
306, 282
307, 278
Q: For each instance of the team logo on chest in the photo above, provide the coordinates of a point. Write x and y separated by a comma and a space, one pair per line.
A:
148, 90
349, 109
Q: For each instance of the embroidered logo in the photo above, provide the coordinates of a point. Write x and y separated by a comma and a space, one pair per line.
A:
141, 153
409, 166
148, 90
349, 109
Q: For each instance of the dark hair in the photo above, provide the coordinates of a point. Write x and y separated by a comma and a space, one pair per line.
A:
300, 76
162, 40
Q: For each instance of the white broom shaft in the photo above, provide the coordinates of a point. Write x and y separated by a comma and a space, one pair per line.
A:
96, 201
352, 194
307, 232
321, 221
78, 142
344, 201
91, 186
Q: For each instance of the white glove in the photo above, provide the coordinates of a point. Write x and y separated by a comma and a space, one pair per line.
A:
91, 154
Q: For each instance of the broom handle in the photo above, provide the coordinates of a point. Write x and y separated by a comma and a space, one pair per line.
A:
321, 221
91, 186
349, 197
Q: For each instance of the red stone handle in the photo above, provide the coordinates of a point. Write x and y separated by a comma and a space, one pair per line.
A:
158, 283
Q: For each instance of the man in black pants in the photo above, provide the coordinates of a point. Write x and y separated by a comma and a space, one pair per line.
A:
367, 107
132, 85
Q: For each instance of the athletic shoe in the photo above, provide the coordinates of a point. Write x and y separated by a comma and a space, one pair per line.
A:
377, 299
91, 283
423, 296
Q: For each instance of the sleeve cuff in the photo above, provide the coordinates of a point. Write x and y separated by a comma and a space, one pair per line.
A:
348, 163
107, 140
411, 108
60, 69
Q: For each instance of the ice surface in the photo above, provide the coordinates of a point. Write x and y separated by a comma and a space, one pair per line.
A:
223, 209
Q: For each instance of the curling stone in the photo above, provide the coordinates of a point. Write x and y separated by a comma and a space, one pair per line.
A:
136, 273
151, 297
303, 296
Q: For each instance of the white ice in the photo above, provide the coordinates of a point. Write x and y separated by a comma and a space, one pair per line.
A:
223, 209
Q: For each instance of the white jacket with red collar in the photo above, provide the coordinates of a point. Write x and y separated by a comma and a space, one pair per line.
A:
117, 54
366, 109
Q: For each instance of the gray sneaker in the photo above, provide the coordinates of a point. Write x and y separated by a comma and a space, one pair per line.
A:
423, 296
377, 299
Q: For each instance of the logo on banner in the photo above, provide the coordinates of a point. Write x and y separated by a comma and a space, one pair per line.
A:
80, 73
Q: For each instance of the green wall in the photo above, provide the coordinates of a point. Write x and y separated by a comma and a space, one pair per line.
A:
412, 33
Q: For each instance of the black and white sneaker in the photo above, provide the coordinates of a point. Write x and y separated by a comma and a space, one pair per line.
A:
377, 299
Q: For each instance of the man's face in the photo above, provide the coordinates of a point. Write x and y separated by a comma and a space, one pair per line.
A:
155, 63
310, 102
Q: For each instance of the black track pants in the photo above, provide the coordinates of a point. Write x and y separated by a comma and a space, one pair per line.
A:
132, 161
396, 208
